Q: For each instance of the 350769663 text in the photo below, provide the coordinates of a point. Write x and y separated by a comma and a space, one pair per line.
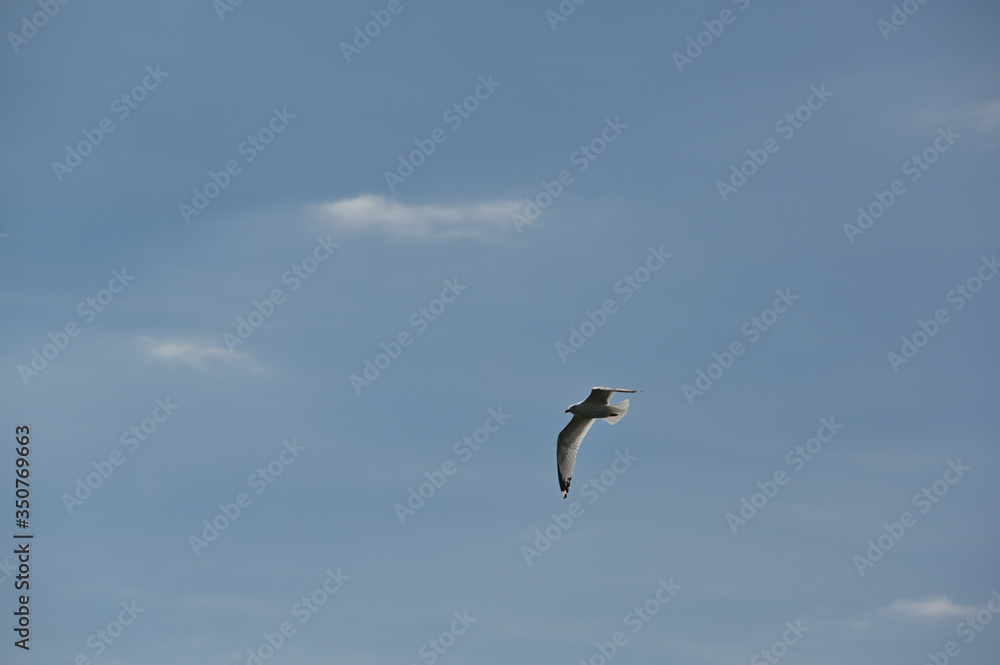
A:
22, 506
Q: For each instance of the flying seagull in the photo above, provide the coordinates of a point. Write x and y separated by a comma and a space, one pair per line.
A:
597, 405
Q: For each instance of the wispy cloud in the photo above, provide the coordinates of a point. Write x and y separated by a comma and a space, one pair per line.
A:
371, 212
927, 608
984, 116
230, 604
199, 354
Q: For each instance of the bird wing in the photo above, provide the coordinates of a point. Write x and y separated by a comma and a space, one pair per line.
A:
602, 396
569, 442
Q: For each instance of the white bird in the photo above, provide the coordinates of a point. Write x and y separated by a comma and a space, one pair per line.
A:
584, 413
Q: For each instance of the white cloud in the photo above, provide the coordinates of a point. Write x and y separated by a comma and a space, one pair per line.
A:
927, 608
196, 353
378, 213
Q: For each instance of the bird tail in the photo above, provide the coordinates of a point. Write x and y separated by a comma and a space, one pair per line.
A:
618, 412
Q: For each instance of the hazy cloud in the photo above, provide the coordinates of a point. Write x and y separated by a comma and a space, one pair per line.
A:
927, 608
371, 212
199, 354
984, 116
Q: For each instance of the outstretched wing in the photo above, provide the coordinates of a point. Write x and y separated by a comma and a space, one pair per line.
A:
602, 396
569, 443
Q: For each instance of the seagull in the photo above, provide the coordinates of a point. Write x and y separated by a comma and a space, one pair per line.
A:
584, 413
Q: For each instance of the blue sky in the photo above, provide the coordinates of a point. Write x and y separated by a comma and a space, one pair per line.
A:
202, 245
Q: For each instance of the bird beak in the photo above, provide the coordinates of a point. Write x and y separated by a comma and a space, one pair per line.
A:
566, 411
